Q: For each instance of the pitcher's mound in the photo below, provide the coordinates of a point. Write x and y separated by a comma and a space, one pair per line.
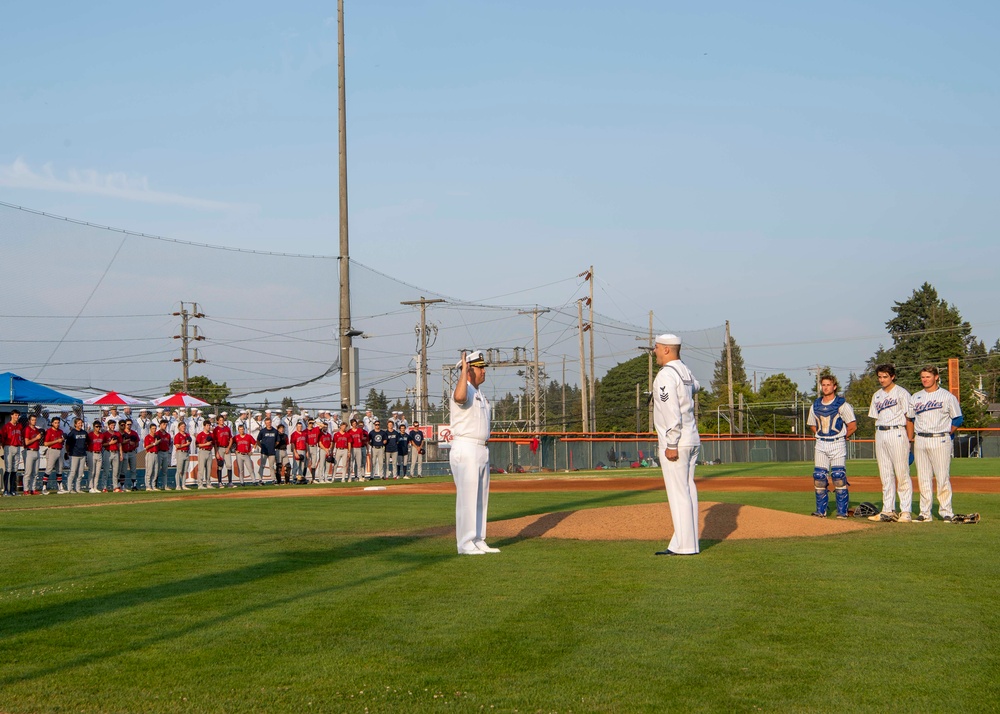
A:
719, 521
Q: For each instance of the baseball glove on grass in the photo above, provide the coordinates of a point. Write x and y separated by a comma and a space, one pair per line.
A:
965, 518
885, 518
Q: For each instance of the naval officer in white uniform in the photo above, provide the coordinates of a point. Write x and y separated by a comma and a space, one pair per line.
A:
470, 458
678, 442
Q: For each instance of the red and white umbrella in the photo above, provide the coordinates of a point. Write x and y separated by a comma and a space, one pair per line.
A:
179, 400
114, 398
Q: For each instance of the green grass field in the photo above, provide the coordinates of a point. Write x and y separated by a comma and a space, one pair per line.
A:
311, 604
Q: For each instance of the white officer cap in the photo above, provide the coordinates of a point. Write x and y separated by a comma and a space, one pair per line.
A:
668, 339
474, 358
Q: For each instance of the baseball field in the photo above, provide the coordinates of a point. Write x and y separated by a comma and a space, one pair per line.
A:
324, 598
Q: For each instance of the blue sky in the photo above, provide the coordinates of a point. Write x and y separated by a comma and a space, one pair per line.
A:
791, 167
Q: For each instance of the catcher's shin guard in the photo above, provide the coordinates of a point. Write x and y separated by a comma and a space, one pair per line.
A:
843, 495
843, 500
822, 495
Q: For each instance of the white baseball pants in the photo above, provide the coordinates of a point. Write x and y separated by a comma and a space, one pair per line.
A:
932, 455
892, 452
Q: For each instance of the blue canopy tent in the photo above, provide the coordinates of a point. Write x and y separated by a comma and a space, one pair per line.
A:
18, 390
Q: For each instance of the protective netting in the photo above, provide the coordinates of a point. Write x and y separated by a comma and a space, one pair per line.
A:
89, 308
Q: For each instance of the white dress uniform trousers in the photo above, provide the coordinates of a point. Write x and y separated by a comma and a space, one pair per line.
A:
673, 418
470, 467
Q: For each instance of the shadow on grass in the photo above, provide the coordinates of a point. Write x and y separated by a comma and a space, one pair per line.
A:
66, 613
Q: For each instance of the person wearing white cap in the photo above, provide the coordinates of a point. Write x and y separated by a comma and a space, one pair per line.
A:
678, 442
470, 457
256, 424
243, 420
143, 423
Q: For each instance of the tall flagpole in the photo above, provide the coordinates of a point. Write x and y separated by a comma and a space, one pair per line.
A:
346, 351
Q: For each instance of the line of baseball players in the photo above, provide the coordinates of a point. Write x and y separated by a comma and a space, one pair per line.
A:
105, 452
928, 420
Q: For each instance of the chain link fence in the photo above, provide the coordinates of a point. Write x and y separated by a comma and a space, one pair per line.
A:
573, 453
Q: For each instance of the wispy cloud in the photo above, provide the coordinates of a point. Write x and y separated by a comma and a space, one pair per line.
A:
18, 174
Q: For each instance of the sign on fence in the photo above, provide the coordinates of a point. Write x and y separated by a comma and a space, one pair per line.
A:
444, 436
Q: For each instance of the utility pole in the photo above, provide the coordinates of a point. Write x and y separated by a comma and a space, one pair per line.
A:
638, 410
188, 337
422, 367
729, 373
649, 387
563, 428
818, 370
650, 351
346, 332
538, 404
584, 409
593, 382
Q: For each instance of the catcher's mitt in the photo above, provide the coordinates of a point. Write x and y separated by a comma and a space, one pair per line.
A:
864, 510
965, 518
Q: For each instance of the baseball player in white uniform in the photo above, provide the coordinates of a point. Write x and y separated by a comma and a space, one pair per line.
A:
678, 442
832, 421
893, 434
470, 457
936, 416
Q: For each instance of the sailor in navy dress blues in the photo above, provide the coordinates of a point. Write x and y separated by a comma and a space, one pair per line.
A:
832, 421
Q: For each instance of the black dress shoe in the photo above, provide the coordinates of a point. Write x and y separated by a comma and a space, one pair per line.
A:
670, 552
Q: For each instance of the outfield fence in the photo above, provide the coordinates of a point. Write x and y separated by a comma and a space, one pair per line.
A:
571, 452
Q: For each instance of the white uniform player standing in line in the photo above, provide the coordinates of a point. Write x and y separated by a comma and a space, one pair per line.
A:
936, 416
677, 441
470, 457
893, 434
832, 421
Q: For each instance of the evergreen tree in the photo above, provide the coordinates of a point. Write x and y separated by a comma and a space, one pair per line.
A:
377, 402
926, 330
720, 377
616, 408
555, 420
